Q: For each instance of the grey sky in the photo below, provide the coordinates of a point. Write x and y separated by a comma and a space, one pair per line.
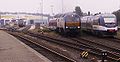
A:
68, 5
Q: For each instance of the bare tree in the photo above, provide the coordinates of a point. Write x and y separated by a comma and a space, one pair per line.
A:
78, 11
117, 13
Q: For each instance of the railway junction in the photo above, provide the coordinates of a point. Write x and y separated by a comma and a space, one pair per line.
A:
66, 38
42, 45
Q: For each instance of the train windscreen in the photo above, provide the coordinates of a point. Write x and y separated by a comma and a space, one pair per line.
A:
110, 20
73, 18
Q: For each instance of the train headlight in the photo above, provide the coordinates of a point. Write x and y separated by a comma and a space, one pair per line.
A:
66, 27
78, 26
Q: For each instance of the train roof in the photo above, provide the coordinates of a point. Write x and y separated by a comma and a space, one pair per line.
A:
87, 16
52, 18
105, 15
65, 14
97, 16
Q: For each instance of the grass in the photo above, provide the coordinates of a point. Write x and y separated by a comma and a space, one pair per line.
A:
118, 34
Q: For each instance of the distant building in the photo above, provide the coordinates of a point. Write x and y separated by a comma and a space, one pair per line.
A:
40, 21
1, 22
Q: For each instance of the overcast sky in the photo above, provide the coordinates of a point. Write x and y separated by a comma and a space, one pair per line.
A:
68, 5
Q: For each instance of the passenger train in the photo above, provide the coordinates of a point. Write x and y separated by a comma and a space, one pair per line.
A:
101, 24
66, 23
52, 24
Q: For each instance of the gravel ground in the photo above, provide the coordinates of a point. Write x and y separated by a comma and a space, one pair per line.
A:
103, 42
75, 54
118, 35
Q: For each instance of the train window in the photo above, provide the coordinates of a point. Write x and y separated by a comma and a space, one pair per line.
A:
76, 19
95, 22
68, 18
72, 18
109, 20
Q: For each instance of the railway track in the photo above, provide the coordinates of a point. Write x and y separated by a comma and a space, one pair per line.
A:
114, 39
81, 46
76, 44
66, 44
35, 45
99, 47
110, 43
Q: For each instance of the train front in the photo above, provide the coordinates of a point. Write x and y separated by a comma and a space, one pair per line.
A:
72, 23
109, 24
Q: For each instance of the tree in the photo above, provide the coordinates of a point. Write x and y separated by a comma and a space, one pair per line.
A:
78, 11
117, 13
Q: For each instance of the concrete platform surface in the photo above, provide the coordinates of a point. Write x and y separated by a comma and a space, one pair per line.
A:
12, 50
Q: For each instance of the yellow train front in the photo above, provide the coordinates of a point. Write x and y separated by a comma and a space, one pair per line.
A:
69, 23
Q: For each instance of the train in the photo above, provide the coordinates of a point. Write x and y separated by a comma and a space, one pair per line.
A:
101, 24
66, 23
52, 24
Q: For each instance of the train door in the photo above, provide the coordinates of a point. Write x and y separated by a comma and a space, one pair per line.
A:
89, 23
95, 26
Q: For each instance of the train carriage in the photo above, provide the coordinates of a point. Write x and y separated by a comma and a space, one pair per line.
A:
66, 23
102, 24
53, 24
69, 23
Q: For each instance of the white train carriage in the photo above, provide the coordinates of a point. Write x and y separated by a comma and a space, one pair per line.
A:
102, 24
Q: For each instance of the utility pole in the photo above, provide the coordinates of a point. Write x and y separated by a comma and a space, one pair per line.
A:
42, 10
0, 19
52, 13
62, 5
0, 15
119, 4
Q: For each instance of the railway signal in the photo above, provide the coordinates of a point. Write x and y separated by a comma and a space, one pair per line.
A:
118, 60
104, 56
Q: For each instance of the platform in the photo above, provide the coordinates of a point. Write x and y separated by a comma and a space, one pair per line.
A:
12, 50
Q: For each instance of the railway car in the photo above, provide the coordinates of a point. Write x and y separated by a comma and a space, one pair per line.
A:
102, 24
69, 23
52, 24
21, 23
